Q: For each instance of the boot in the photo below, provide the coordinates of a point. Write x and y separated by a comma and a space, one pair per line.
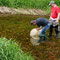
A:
40, 39
43, 38
57, 36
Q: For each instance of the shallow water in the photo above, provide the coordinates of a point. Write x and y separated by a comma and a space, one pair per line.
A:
18, 27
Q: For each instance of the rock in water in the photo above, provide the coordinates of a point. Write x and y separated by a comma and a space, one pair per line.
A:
34, 36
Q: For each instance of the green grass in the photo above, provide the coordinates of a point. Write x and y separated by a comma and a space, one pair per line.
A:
10, 50
37, 4
29, 4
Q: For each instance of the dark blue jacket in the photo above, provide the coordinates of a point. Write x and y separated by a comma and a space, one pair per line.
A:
42, 22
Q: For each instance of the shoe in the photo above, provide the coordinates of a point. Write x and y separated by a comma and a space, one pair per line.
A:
57, 36
43, 42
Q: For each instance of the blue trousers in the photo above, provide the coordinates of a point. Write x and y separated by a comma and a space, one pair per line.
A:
43, 32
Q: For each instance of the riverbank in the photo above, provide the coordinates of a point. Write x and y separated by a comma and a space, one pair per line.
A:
7, 10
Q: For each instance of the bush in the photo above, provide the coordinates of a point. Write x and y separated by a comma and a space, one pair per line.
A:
9, 50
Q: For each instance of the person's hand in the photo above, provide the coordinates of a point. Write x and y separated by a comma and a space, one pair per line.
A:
51, 21
57, 21
38, 28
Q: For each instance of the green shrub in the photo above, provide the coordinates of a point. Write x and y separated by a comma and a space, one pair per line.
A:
9, 50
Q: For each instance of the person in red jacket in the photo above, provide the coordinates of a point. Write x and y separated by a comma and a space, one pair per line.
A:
54, 18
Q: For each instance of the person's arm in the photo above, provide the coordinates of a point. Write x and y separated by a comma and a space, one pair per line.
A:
50, 20
58, 12
58, 18
39, 28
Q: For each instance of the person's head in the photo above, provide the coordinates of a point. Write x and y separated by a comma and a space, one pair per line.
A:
33, 22
52, 3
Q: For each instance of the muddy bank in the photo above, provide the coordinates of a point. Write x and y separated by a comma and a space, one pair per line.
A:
6, 10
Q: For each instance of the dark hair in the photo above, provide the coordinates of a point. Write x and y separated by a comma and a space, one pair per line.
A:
32, 22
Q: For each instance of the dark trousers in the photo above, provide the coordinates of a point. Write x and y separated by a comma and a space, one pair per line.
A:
56, 29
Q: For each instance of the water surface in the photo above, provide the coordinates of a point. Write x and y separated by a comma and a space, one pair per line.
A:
18, 27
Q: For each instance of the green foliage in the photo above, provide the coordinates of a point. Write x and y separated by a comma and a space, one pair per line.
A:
4, 2
48, 11
38, 4
9, 50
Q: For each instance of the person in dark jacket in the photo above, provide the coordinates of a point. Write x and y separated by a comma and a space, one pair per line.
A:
41, 22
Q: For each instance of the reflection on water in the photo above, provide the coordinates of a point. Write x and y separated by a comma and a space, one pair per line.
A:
18, 27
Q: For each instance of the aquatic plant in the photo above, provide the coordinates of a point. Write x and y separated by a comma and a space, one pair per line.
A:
9, 50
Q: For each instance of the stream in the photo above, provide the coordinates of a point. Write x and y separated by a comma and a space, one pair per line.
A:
18, 28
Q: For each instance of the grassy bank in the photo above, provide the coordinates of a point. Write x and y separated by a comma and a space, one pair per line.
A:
38, 4
9, 50
29, 4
